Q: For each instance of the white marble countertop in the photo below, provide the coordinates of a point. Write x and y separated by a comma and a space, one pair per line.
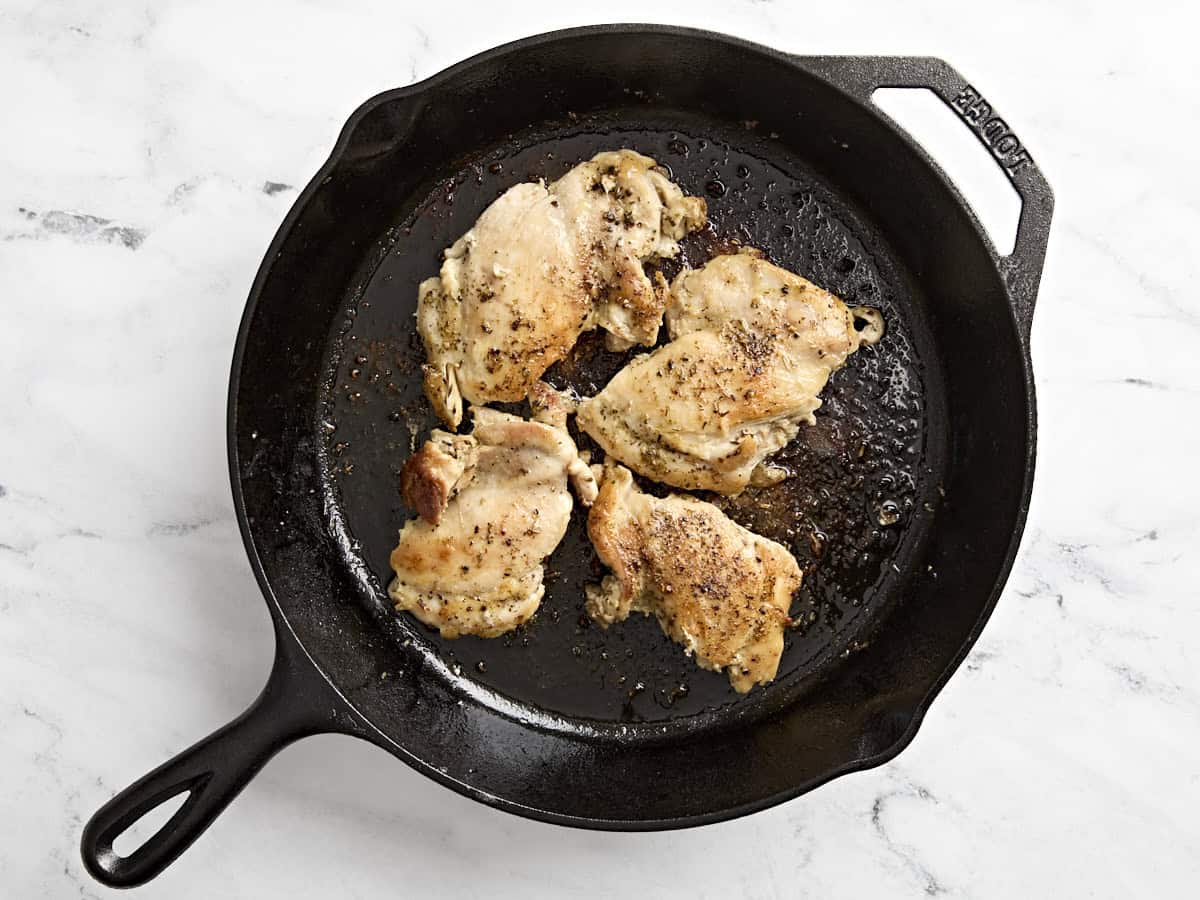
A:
140, 145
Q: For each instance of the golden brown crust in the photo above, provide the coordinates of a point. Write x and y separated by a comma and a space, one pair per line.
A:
422, 489
493, 505
752, 347
612, 541
433, 474
541, 265
719, 590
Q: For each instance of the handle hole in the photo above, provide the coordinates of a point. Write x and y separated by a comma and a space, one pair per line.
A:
149, 824
921, 113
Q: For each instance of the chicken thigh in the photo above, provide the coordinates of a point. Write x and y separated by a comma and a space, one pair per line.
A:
492, 505
543, 264
752, 347
719, 590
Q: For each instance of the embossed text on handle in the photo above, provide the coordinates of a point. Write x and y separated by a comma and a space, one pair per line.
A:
1005, 145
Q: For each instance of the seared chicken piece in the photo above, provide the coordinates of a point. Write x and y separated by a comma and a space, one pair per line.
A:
492, 505
543, 264
752, 346
719, 590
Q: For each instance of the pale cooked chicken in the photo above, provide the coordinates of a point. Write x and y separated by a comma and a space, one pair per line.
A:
492, 505
719, 590
752, 347
543, 264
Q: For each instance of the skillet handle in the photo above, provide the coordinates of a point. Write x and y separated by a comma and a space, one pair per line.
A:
296, 702
1022, 269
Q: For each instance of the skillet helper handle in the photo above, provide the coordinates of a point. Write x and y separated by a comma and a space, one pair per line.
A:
863, 75
211, 772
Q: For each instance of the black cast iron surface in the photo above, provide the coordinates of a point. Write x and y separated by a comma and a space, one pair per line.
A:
935, 426
868, 475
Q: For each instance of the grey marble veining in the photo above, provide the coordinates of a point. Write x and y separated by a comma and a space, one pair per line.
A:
149, 153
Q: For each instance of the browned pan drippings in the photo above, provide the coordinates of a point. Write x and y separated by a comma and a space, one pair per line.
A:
864, 479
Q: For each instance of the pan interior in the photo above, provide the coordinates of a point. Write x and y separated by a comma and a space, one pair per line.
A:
868, 477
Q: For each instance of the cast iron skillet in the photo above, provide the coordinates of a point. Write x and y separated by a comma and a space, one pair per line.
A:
912, 489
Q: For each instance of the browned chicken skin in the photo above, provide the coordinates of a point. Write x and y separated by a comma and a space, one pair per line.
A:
543, 264
493, 504
719, 590
752, 347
